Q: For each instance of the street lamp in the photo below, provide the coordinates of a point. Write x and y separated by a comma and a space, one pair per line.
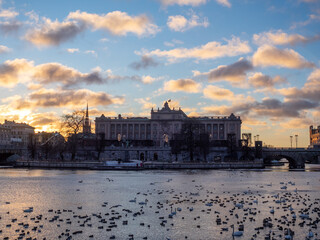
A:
296, 140
291, 140
258, 137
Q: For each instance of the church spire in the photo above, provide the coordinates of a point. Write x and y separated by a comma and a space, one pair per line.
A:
86, 122
87, 112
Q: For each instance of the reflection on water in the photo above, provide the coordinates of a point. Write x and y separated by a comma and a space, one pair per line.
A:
156, 204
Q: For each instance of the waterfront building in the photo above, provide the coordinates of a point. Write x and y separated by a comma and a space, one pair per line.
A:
19, 132
5, 136
164, 124
314, 136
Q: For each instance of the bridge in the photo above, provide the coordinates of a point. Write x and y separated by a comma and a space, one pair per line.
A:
297, 157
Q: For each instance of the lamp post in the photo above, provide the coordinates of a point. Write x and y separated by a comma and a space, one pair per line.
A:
296, 136
291, 140
258, 137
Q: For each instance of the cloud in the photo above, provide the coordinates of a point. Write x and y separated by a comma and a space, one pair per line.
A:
235, 72
222, 94
117, 23
297, 123
148, 79
72, 98
281, 38
10, 26
310, 90
266, 108
211, 50
225, 3
6, 13
12, 72
144, 63
217, 93
267, 55
22, 70
4, 49
146, 104
72, 50
58, 73
311, 18
179, 23
259, 80
53, 33
183, 2
184, 85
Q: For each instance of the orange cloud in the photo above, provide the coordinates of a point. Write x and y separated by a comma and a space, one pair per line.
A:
13, 72
281, 38
184, 85
271, 56
72, 98
117, 22
211, 50
53, 33
217, 93
259, 80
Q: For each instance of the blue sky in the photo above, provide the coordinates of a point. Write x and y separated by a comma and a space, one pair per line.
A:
257, 59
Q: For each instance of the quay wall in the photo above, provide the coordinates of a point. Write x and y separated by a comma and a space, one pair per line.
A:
147, 165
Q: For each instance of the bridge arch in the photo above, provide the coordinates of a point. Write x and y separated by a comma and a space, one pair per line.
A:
293, 163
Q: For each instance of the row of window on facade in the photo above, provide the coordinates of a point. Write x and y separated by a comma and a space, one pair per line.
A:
143, 131
141, 127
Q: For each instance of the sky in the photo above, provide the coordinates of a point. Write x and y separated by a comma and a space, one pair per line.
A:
258, 59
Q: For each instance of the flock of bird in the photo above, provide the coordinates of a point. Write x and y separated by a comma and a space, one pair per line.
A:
167, 213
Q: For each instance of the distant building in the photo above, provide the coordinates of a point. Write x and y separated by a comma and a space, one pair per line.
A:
87, 123
314, 136
164, 124
19, 132
5, 135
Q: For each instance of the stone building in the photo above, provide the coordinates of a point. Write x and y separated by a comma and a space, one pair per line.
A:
19, 132
164, 124
314, 136
5, 136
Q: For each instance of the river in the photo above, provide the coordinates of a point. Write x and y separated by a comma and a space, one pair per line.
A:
55, 204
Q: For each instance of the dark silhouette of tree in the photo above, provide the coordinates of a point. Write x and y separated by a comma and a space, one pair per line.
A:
100, 144
71, 126
204, 145
32, 145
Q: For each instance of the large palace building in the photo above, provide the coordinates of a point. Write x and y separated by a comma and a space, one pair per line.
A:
164, 124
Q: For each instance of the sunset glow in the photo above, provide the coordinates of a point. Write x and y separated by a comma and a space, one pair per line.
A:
256, 59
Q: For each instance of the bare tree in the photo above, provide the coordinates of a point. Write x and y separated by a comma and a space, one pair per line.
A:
100, 144
32, 145
71, 126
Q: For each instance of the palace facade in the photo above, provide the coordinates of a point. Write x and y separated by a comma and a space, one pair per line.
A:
164, 124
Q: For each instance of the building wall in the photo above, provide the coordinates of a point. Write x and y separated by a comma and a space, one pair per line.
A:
19, 132
163, 124
314, 136
5, 135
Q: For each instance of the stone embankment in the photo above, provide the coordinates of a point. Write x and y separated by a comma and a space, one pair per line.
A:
147, 165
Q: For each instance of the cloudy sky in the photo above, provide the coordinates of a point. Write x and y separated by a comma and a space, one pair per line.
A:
256, 59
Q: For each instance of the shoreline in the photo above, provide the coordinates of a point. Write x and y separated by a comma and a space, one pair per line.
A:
145, 166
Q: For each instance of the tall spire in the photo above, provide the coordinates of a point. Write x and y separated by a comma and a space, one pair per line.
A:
87, 112
86, 123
